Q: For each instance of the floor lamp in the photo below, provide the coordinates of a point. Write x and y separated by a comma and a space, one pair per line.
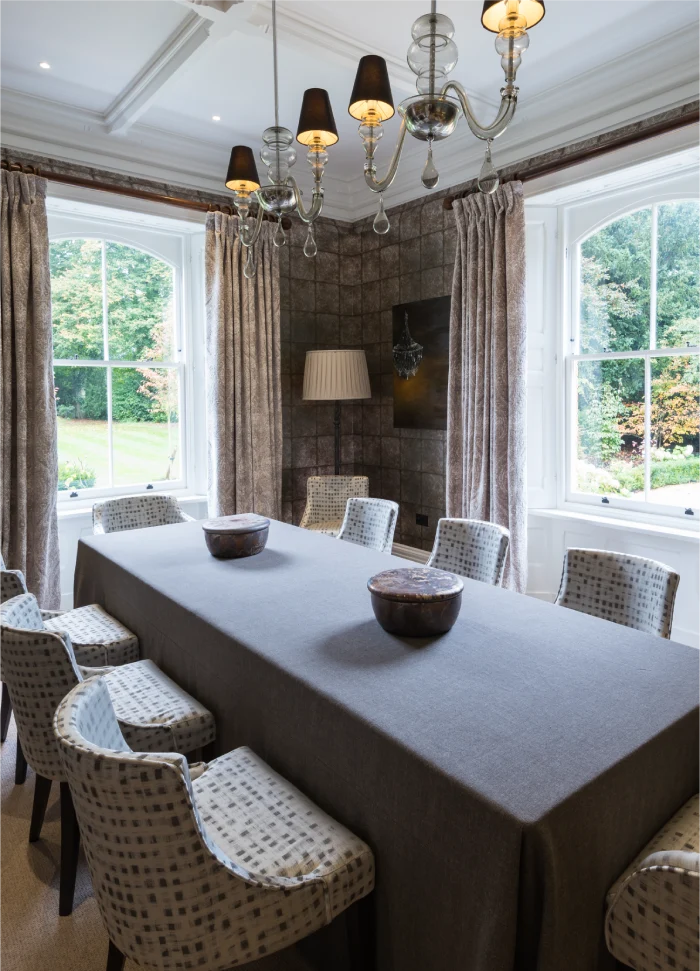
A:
336, 376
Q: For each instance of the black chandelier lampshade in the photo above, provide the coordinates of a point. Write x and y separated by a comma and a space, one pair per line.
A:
495, 10
371, 93
242, 175
316, 122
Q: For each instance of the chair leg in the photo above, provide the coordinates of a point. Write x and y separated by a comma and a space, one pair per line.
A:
115, 958
360, 923
70, 843
42, 790
20, 766
5, 712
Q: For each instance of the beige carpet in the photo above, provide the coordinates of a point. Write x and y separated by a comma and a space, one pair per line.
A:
33, 936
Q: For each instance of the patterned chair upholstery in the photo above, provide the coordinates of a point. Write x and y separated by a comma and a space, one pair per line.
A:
97, 639
652, 908
471, 548
136, 512
247, 865
39, 668
326, 499
625, 589
370, 522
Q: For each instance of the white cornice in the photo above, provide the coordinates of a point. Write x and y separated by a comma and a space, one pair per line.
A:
662, 76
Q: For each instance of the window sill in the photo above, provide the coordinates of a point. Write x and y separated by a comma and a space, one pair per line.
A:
82, 507
611, 522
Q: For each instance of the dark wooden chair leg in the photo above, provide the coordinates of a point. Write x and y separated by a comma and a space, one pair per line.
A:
5, 712
70, 843
360, 922
42, 790
115, 958
20, 766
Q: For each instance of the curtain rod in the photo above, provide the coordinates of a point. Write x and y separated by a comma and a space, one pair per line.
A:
583, 154
77, 180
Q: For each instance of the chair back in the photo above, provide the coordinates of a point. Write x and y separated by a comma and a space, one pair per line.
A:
628, 590
163, 888
39, 668
471, 548
12, 583
370, 522
138, 512
327, 496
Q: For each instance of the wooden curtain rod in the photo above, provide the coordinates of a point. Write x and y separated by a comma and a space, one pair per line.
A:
584, 153
119, 190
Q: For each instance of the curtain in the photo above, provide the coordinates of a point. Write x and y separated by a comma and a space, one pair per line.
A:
486, 386
244, 396
28, 432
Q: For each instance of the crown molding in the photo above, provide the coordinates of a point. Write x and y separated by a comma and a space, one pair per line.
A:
661, 76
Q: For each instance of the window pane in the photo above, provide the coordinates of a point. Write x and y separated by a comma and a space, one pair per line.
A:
675, 424
146, 430
610, 456
83, 447
140, 317
678, 275
615, 286
76, 298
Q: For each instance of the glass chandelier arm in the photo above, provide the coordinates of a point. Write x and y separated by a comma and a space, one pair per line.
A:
379, 185
247, 235
509, 102
314, 210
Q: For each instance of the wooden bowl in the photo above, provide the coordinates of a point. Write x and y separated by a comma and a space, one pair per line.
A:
416, 601
230, 537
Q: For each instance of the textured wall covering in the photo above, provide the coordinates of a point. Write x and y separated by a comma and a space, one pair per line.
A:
413, 261
320, 303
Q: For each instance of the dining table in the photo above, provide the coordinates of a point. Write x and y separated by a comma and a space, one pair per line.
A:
504, 773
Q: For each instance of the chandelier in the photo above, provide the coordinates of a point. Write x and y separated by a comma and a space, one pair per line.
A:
282, 196
433, 113
407, 353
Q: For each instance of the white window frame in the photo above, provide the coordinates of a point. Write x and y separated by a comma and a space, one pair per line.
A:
180, 245
610, 208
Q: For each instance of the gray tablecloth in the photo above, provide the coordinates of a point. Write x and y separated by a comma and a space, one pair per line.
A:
504, 774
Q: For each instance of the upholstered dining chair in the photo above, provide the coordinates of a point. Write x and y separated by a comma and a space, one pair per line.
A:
137, 512
97, 639
326, 499
651, 918
628, 590
220, 866
370, 522
471, 548
39, 668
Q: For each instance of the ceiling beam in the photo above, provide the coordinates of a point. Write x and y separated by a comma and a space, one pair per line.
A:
139, 93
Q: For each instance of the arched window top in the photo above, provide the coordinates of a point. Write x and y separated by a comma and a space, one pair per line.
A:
638, 280
111, 300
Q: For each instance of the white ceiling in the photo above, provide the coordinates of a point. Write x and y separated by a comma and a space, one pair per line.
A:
133, 84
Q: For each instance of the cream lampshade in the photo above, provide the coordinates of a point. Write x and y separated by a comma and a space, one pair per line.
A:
336, 376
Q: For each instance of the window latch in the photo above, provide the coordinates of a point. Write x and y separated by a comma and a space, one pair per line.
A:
73, 495
149, 486
689, 512
605, 501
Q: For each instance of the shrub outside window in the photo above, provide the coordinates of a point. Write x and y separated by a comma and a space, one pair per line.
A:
118, 369
634, 373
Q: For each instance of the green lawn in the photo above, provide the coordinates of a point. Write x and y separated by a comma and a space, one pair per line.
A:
142, 450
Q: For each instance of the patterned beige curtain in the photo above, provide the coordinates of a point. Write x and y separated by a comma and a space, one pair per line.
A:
28, 449
486, 390
244, 395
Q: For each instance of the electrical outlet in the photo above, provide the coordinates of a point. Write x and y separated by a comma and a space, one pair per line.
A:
421, 519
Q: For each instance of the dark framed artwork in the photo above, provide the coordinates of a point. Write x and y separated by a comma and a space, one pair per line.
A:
421, 332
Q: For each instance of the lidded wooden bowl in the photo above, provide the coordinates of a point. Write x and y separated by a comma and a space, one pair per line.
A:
229, 537
416, 601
